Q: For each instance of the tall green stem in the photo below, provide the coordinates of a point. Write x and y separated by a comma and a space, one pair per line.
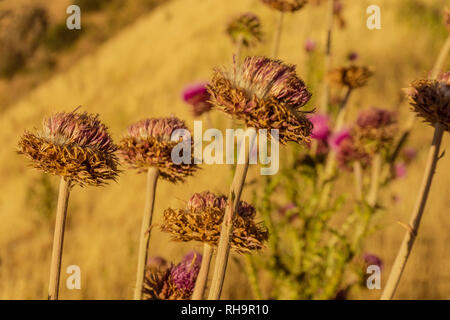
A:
223, 249
408, 241
152, 179
58, 239
330, 24
278, 31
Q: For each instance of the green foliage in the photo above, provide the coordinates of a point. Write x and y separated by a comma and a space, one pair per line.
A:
42, 195
59, 37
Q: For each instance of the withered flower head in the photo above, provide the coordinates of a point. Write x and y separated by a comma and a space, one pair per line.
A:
266, 94
76, 146
375, 129
202, 220
352, 77
148, 144
430, 99
286, 5
349, 152
174, 282
247, 27
197, 96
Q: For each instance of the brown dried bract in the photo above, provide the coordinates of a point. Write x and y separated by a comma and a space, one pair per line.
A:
352, 77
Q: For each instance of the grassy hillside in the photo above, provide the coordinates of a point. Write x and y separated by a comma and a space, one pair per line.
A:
139, 73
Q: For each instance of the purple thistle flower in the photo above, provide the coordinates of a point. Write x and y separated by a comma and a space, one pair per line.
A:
374, 118
400, 170
337, 138
184, 274
158, 128
353, 56
310, 45
198, 97
321, 126
371, 259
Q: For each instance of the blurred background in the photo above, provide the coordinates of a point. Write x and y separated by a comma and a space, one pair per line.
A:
130, 60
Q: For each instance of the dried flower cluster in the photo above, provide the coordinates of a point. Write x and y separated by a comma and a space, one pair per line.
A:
148, 144
352, 77
197, 96
266, 94
76, 146
430, 99
245, 28
202, 220
286, 5
173, 282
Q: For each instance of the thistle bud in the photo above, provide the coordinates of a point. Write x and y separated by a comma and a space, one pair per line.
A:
197, 96
245, 28
352, 77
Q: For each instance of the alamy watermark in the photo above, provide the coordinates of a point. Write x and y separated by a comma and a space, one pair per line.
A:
221, 150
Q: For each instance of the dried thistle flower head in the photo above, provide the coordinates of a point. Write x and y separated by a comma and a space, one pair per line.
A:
202, 221
148, 144
286, 5
352, 77
197, 96
174, 282
246, 28
76, 146
430, 99
266, 94
348, 152
375, 129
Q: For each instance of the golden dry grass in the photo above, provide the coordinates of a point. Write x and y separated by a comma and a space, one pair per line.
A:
139, 73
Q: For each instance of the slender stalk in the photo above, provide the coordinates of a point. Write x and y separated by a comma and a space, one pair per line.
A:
357, 171
330, 24
202, 277
377, 164
223, 249
408, 240
152, 179
58, 239
330, 162
239, 45
252, 278
278, 31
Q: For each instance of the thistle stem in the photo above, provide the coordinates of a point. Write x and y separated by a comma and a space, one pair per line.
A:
152, 179
252, 278
223, 249
357, 171
239, 45
408, 240
441, 58
202, 277
325, 94
278, 31
377, 164
58, 239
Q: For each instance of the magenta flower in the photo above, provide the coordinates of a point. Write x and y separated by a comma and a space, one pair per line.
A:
321, 126
400, 170
353, 56
184, 274
371, 259
409, 154
310, 45
337, 138
198, 97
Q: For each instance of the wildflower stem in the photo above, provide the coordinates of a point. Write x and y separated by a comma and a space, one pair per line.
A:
223, 248
152, 179
251, 272
377, 164
239, 45
330, 162
202, 277
357, 171
278, 31
408, 240
58, 239
326, 92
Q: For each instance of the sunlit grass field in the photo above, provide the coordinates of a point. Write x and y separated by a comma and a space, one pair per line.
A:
140, 73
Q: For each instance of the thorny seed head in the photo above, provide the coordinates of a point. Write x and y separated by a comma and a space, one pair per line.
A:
430, 99
76, 146
246, 28
266, 94
202, 220
197, 96
286, 5
352, 77
148, 144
